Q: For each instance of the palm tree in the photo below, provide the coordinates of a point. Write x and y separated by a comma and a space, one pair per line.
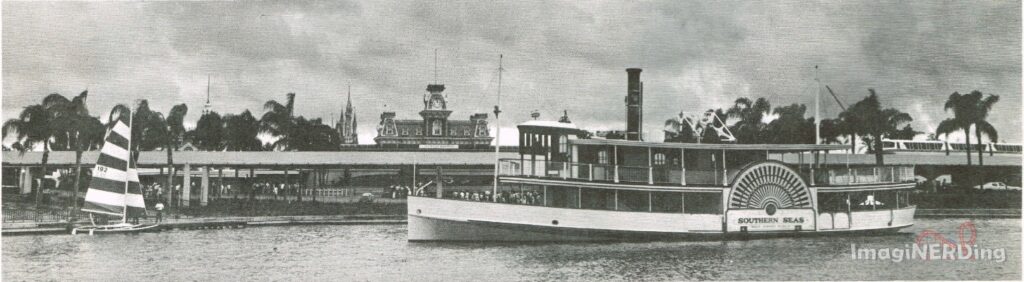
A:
678, 129
907, 133
279, 122
313, 135
750, 126
175, 133
970, 110
241, 131
209, 132
790, 127
42, 124
867, 118
77, 130
149, 130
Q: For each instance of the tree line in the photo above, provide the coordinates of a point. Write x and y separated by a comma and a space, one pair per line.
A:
865, 121
61, 124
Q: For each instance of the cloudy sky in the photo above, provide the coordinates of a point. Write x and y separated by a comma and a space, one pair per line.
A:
558, 56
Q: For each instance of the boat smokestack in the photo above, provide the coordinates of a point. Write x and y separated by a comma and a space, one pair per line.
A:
634, 105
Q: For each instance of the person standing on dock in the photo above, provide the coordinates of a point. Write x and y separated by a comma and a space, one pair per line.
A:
159, 212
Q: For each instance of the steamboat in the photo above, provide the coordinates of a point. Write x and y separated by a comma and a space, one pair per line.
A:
569, 186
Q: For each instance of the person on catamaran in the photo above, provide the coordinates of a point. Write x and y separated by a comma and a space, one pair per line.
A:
159, 212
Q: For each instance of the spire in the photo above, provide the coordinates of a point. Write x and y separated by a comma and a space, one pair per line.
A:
348, 106
208, 107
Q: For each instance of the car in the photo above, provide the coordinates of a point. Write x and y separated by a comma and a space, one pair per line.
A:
993, 186
366, 198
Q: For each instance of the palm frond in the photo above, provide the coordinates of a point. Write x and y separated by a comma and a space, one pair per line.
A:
985, 128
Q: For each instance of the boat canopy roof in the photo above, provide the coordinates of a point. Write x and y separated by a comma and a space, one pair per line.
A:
706, 146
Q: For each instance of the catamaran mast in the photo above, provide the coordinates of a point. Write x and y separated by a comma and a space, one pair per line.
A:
497, 131
124, 208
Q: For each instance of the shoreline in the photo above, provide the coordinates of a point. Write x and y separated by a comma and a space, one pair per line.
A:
231, 222
228, 222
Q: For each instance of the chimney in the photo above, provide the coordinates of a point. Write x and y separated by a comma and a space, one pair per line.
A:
634, 105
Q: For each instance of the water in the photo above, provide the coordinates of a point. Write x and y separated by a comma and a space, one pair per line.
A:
380, 253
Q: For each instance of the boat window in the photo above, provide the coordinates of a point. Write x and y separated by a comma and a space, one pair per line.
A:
702, 203
659, 159
865, 201
598, 199
522, 194
832, 202
905, 199
667, 202
563, 197
633, 201
602, 157
885, 199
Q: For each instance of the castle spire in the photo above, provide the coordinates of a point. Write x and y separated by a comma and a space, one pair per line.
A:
208, 107
348, 106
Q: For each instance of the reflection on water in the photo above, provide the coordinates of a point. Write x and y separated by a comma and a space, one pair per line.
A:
380, 252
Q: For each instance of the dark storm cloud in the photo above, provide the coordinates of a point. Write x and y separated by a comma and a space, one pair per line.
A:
558, 55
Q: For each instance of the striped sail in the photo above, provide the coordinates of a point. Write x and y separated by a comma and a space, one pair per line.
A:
108, 193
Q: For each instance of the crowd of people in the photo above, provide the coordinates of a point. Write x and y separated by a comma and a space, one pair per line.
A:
521, 198
156, 191
397, 192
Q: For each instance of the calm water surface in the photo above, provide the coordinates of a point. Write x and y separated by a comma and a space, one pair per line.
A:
380, 252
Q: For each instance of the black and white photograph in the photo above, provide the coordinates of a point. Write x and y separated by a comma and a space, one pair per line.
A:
561, 140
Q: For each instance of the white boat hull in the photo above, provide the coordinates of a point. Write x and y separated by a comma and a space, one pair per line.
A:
433, 219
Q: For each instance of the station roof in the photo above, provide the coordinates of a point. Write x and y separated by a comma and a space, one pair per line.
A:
274, 159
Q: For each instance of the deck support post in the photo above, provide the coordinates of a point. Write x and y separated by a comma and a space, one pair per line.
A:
204, 185
616, 200
682, 166
186, 190
615, 162
812, 167
650, 167
725, 172
26, 180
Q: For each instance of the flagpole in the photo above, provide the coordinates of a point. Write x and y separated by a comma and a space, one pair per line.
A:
497, 132
817, 105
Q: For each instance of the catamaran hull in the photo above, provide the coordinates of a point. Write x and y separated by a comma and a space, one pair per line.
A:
451, 220
91, 230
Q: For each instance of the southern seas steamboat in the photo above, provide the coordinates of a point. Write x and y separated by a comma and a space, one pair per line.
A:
566, 186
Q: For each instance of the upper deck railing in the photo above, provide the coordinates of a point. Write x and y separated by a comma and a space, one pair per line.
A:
674, 175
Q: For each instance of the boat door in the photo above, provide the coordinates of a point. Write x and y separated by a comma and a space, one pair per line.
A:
833, 211
833, 220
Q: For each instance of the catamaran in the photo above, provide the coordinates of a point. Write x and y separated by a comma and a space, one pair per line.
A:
567, 185
114, 189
